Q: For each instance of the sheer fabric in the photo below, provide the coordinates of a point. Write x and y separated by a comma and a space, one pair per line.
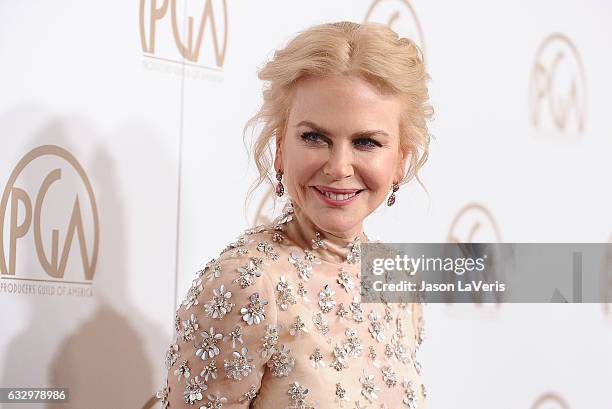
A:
275, 321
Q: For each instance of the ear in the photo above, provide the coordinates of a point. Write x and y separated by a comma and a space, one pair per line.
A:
404, 156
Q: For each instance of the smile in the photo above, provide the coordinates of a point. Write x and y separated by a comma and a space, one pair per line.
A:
341, 197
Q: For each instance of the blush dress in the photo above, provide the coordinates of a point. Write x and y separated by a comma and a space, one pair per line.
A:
275, 321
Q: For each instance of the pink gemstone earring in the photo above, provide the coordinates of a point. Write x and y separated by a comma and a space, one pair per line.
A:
391, 199
280, 189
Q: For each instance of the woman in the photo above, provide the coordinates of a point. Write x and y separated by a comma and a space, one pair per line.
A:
275, 320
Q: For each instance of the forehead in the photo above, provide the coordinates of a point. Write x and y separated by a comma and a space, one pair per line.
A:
344, 104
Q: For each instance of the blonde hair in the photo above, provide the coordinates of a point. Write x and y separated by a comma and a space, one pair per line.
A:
371, 51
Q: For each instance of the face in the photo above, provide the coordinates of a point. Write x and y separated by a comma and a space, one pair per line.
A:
340, 153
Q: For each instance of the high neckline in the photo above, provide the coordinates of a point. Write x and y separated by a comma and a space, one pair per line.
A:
299, 228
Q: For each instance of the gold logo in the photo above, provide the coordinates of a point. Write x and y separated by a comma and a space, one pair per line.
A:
63, 200
550, 400
558, 90
475, 224
398, 15
190, 34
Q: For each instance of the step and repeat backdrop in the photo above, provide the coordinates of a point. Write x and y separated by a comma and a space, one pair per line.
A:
123, 171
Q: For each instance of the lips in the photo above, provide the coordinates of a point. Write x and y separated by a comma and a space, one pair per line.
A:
337, 196
326, 189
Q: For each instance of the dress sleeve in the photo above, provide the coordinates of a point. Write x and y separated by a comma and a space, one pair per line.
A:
214, 360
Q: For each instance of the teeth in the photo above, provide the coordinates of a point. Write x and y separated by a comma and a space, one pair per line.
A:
334, 196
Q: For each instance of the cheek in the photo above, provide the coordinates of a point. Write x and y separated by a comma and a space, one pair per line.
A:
302, 165
377, 173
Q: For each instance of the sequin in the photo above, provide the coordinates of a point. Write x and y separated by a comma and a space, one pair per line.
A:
368, 389
239, 252
399, 327
267, 249
270, 340
189, 328
389, 351
423, 390
284, 294
354, 254
310, 256
340, 357
303, 267
182, 370
326, 299
297, 394
344, 279
286, 216
254, 230
410, 398
212, 269
388, 317
317, 242
302, 292
253, 313
356, 310
191, 298
277, 237
376, 327
247, 274
208, 348
372, 355
342, 312
162, 394
241, 241
400, 350
298, 327
214, 402
352, 345
389, 376
194, 389
219, 305
235, 336
341, 396
281, 363
320, 323
177, 323
316, 358
210, 371
415, 360
248, 395
420, 332
172, 355
239, 366
367, 289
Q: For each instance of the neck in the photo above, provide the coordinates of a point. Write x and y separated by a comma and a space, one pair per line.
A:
334, 247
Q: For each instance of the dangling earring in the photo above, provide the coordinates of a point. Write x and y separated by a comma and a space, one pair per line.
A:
280, 189
391, 199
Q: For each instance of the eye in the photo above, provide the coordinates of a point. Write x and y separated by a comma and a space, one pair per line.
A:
311, 136
366, 143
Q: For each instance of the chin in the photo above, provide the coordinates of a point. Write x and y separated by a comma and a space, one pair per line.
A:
337, 224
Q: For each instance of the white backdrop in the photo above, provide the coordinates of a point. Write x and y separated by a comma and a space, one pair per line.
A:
115, 97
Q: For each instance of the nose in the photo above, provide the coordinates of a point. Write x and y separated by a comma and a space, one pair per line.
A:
339, 164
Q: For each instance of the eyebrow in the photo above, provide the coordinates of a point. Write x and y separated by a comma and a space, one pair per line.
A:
361, 134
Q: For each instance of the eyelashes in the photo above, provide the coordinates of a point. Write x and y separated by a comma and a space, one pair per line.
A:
310, 136
317, 138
